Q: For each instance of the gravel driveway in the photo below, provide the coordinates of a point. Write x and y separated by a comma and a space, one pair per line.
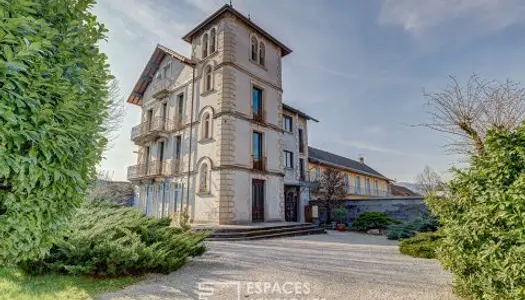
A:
334, 266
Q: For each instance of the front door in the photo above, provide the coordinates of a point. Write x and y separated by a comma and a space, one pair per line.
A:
290, 205
257, 200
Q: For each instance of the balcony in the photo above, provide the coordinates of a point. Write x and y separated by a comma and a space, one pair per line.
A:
154, 169
160, 89
259, 116
150, 129
259, 163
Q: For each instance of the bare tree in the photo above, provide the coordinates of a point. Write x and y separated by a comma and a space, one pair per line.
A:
429, 181
331, 188
116, 112
468, 112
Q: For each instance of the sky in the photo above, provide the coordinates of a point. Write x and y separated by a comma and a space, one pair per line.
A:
359, 67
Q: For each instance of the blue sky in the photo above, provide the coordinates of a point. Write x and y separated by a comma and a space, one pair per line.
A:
360, 67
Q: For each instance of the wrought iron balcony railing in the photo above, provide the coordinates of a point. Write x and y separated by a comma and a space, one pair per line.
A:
150, 128
259, 163
154, 169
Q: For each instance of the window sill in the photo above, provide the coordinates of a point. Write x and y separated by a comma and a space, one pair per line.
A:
288, 168
206, 93
258, 64
290, 132
203, 194
206, 141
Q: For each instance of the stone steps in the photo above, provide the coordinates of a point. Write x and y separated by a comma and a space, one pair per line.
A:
262, 232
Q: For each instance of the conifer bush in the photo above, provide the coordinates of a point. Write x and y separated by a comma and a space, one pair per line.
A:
483, 220
372, 220
53, 86
108, 240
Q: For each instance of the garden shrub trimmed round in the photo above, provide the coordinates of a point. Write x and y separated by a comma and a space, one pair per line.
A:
372, 220
53, 86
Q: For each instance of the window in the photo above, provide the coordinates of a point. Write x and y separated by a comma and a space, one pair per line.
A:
357, 185
212, 40
261, 54
178, 146
204, 45
257, 154
207, 79
288, 121
367, 186
180, 107
377, 187
203, 187
347, 183
317, 173
301, 169
257, 103
288, 159
254, 49
206, 126
166, 70
301, 141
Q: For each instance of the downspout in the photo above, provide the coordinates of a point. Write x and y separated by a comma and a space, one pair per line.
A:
191, 137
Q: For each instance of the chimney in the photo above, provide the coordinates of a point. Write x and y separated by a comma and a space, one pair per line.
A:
362, 158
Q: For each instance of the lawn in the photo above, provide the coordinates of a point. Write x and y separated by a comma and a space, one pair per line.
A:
15, 285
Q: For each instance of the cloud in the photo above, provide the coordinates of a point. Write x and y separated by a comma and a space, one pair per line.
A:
423, 17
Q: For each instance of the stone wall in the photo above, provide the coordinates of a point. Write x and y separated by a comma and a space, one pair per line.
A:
399, 208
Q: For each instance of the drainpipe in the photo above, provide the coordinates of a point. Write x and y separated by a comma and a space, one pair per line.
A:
191, 138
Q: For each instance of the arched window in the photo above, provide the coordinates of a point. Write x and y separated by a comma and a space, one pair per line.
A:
212, 40
203, 184
206, 123
204, 45
254, 49
207, 78
261, 54
347, 183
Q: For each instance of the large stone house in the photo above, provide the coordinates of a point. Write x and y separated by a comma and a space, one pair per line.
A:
215, 136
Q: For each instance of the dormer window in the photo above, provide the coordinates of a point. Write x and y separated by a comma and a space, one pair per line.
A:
213, 39
254, 49
204, 45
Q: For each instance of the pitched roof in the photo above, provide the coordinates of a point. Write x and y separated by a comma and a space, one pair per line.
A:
398, 190
321, 156
228, 8
300, 113
151, 67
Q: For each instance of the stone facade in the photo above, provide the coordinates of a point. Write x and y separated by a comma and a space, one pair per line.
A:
209, 126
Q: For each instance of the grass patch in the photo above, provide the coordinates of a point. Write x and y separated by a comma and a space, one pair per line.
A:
16, 285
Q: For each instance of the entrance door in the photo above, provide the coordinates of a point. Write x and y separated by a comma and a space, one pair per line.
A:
257, 200
290, 206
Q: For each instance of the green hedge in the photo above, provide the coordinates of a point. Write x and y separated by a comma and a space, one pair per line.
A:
53, 91
423, 245
483, 218
108, 240
372, 220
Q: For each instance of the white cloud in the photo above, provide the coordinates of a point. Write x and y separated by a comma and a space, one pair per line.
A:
423, 17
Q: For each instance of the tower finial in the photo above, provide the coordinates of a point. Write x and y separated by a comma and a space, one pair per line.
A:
231, 3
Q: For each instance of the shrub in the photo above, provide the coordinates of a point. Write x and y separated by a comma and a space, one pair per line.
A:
483, 221
109, 240
423, 245
340, 214
427, 223
372, 220
53, 86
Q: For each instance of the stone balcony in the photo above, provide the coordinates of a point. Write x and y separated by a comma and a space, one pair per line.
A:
155, 169
160, 89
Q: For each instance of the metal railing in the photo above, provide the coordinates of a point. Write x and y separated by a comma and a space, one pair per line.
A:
155, 125
259, 163
259, 115
153, 169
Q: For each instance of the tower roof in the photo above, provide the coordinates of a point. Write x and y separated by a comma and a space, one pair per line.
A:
227, 8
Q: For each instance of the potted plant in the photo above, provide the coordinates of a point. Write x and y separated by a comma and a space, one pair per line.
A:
340, 217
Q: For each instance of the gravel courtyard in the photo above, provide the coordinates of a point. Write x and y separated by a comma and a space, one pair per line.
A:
334, 266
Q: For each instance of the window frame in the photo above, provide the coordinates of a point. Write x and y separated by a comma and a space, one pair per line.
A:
254, 49
258, 112
204, 178
288, 118
262, 53
288, 159
205, 45
213, 40
208, 78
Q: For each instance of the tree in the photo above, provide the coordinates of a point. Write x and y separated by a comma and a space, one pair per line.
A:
429, 181
483, 220
53, 91
331, 188
468, 112
116, 112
